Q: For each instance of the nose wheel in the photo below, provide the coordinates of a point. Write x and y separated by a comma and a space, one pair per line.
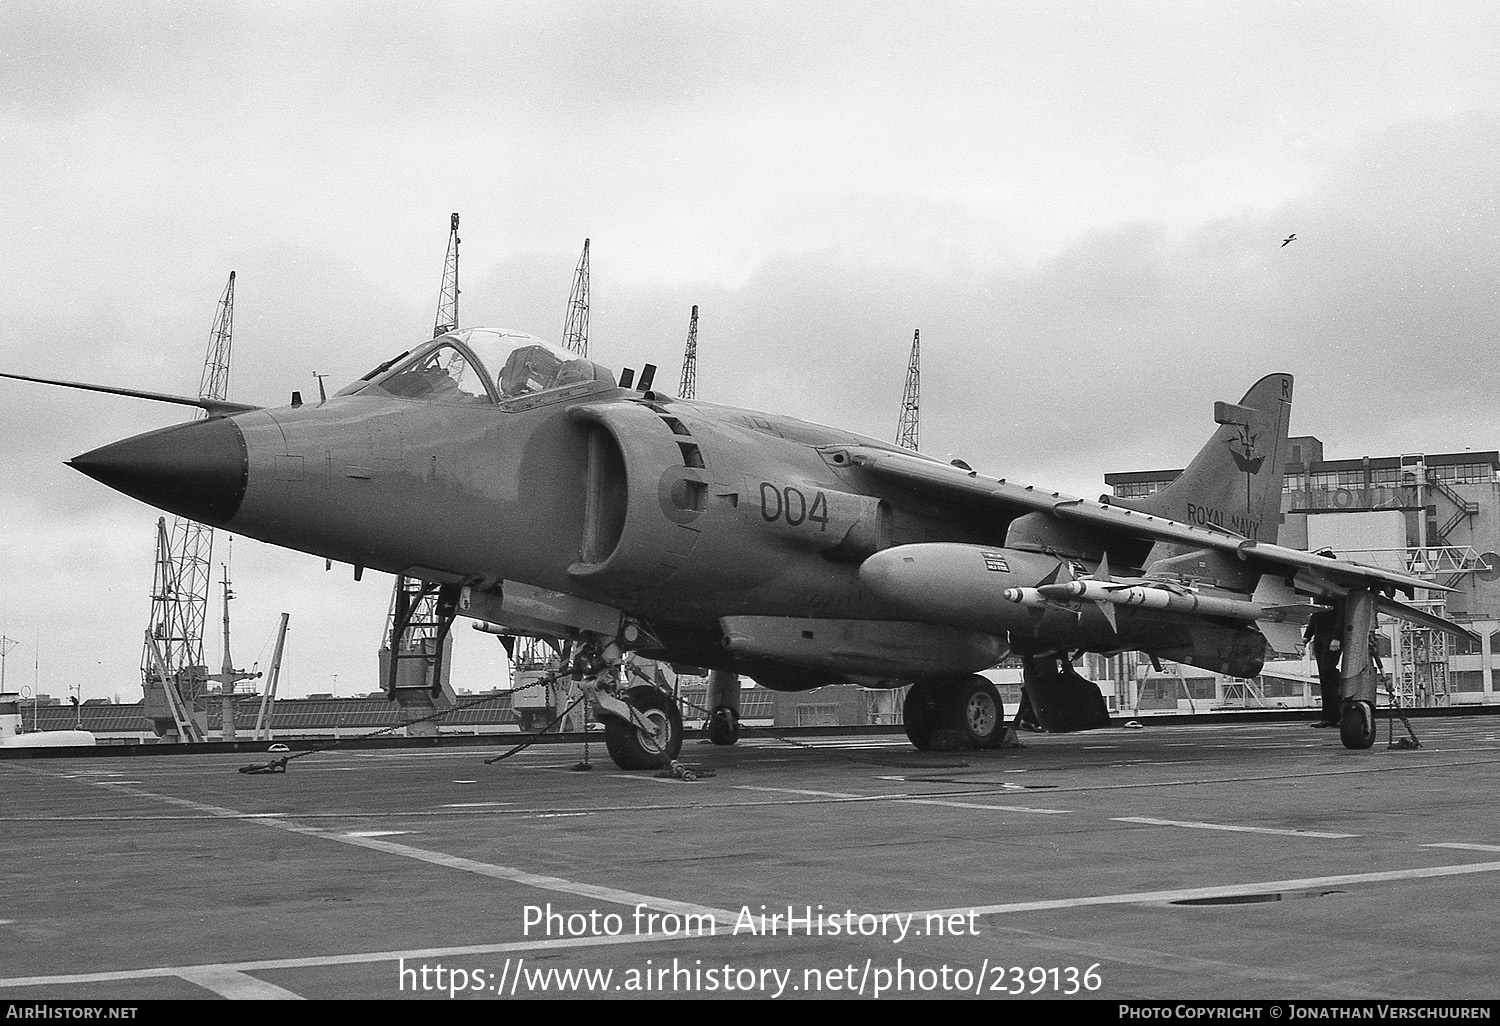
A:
650, 743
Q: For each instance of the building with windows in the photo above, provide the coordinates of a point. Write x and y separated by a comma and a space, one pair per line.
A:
1436, 516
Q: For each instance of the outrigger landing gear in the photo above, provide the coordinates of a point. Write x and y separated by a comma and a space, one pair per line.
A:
642, 728
1357, 672
1357, 725
724, 699
962, 711
648, 745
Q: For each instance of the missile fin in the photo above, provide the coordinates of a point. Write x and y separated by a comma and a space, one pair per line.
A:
1108, 609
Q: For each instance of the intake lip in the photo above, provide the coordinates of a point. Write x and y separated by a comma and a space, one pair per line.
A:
197, 470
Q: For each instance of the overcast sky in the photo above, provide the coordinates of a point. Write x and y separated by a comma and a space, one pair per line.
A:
1080, 205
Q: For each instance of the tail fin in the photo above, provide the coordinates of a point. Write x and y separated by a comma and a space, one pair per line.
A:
1235, 480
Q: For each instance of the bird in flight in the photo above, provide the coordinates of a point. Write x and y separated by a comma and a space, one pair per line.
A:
1288, 239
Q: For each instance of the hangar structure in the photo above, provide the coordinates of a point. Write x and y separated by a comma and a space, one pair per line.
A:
1434, 515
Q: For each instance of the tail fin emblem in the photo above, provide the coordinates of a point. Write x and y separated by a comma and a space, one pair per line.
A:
1245, 456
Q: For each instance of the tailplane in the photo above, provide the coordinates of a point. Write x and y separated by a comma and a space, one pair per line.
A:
1235, 481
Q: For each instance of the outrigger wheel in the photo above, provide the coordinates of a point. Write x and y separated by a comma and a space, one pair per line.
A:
724, 726
1357, 725
634, 747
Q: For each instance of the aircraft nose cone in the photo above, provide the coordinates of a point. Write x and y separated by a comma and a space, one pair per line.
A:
197, 470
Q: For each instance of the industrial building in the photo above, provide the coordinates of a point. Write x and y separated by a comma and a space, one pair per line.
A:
1436, 516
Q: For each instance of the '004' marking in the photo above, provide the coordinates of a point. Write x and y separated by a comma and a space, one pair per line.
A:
791, 505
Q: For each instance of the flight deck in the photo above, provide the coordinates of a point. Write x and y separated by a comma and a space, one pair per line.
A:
1247, 861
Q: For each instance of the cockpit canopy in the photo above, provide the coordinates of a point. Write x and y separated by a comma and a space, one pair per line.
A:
484, 365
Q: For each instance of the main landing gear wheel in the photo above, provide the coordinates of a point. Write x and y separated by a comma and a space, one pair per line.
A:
1357, 726
921, 715
979, 711
967, 712
724, 726
633, 747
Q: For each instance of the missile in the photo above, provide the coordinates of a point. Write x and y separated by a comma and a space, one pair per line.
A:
1120, 594
1031, 598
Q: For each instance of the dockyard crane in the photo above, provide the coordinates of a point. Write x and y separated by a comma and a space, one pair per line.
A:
415, 643
689, 384
576, 330
906, 427
173, 673
533, 660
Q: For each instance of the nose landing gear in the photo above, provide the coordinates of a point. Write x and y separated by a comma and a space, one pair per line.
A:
642, 726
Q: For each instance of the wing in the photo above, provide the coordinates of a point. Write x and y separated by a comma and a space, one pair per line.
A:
1313, 574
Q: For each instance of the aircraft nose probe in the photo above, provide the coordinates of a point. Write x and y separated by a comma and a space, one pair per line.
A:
198, 470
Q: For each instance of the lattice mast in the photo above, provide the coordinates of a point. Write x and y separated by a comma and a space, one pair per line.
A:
906, 428
530, 657
689, 385
447, 308
424, 624
179, 594
576, 330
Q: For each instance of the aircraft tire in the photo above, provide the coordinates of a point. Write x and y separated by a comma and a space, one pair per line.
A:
975, 708
922, 715
1357, 725
632, 748
724, 726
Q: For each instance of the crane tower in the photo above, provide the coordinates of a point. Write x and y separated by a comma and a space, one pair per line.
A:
906, 428
576, 330
414, 648
447, 309
173, 673
689, 383
533, 661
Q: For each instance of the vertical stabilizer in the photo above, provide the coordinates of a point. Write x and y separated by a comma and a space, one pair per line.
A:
1235, 481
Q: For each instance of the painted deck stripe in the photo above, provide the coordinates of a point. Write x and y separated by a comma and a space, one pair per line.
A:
912, 800
375, 833
508, 873
235, 985
1229, 891
1465, 847
1070, 943
1148, 821
358, 958
810, 794
995, 808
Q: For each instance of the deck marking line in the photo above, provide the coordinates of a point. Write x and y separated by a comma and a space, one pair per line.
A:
375, 833
1228, 891
233, 984
811, 794
358, 958
996, 808
1138, 897
723, 917
1465, 847
1148, 821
